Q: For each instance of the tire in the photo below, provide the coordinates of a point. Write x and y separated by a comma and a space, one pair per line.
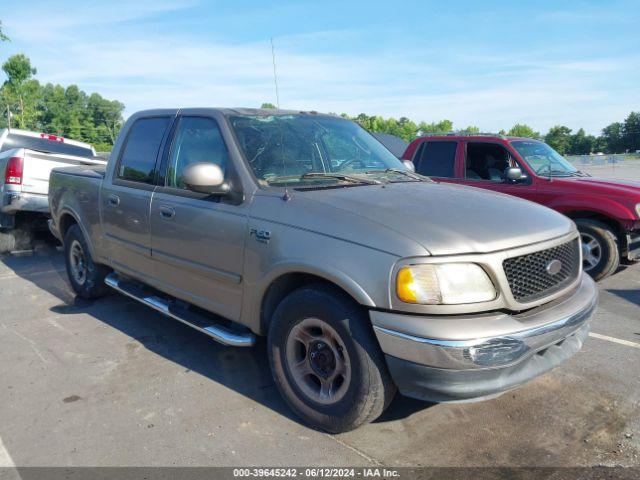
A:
86, 276
335, 328
605, 248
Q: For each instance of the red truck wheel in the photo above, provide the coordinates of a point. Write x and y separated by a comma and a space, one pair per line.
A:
600, 248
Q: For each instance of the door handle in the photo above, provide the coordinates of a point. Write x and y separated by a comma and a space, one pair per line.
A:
167, 212
113, 200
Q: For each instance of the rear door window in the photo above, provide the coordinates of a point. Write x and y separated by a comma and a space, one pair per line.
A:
436, 159
138, 159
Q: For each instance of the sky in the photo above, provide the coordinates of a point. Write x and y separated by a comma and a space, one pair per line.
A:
490, 64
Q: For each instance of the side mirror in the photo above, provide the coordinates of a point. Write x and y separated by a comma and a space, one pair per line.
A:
205, 178
513, 174
410, 166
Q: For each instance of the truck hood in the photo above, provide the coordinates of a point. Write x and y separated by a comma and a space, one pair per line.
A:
448, 219
602, 186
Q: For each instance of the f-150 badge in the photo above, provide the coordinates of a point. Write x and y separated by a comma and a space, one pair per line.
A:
260, 235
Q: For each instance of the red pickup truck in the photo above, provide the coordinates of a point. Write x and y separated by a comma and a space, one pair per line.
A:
607, 212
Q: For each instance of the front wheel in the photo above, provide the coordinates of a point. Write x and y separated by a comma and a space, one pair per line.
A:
326, 360
600, 248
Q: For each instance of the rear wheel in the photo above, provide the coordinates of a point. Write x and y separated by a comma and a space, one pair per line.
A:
86, 276
326, 360
600, 248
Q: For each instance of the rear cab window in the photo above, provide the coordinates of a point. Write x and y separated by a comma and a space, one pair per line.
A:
436, 158
138, 159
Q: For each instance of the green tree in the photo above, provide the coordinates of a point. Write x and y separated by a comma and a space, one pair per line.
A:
631, 132
106, 118
19, 91
559, 138
443, 126
471, 129
612, 138
581, 143
523, 130
55, 109
3, 37
268, 106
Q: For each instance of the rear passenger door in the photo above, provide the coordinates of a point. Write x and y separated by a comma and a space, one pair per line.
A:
198, 239
126, 197
437, 159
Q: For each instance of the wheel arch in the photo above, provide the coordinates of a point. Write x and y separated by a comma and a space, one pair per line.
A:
282, 284
617, 228
66, 220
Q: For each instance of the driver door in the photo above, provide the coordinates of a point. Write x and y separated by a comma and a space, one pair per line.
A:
485, 165
197, 240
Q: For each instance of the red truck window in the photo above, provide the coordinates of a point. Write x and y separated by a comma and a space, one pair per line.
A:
436, 159
486, 161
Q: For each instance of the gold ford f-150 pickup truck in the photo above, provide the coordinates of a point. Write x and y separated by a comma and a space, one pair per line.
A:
365, 277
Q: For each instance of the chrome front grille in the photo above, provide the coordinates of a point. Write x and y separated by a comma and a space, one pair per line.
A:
537, 275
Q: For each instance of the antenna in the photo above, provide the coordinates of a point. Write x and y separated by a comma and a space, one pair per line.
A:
275, 76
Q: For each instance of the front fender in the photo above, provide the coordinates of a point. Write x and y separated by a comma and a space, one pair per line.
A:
608, 207
331, 274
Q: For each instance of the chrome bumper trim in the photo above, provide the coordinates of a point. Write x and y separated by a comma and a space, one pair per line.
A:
485, 352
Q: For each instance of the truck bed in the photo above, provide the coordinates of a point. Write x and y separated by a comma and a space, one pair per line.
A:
77, 189
96, 171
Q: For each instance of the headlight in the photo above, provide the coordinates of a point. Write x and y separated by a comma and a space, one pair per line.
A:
447, 283
638, 210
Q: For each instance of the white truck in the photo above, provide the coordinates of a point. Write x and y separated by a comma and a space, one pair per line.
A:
26, 161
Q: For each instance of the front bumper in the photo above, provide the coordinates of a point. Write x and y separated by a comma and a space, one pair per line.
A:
455, 358
633, 245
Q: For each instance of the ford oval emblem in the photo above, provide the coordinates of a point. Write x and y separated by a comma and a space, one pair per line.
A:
554, 267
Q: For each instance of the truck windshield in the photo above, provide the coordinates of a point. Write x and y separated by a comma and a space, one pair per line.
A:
543, 159
307, 149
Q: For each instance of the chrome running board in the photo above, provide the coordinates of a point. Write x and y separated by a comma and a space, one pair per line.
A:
199, 322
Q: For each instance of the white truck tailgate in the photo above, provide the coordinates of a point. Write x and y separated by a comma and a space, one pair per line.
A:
38, 166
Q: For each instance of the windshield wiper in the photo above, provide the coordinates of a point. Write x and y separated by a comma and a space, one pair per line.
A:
554, 173
406, 173
579, 173
341, 176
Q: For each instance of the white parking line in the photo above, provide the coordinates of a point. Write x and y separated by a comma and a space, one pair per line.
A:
12, 274
615, 340
5, 458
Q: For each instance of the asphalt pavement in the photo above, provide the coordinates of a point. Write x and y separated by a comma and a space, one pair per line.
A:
112, 383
